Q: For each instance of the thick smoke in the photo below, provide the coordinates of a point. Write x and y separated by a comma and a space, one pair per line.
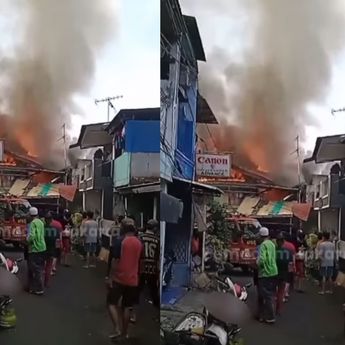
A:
54, 61
287, 67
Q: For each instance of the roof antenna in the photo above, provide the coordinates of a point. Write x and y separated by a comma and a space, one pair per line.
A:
110, 105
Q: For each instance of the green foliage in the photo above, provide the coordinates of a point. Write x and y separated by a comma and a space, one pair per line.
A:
218, 225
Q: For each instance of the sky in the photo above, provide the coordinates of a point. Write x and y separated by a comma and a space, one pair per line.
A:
234, 34
128, 65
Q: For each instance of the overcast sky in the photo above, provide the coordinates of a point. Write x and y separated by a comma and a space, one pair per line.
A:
219, 29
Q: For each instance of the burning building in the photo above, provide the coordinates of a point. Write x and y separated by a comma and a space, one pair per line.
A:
249, 187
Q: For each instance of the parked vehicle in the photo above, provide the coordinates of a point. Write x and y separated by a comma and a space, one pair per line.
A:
13, 219
202, 329
228, 286
243, 244
8, 318
9, 264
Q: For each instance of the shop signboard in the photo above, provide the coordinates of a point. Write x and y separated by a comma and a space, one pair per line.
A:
213, 165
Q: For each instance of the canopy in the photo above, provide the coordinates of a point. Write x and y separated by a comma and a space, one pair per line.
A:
256, 207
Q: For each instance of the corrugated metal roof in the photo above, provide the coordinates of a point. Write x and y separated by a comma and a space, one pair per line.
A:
44, 190
18, 187
247, 206
269, 209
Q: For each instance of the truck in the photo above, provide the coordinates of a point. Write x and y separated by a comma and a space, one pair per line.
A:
13, 220
242, 247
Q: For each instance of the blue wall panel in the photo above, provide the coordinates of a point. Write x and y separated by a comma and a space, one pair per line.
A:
142, 136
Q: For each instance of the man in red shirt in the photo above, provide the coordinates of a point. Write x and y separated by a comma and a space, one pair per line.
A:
124, 279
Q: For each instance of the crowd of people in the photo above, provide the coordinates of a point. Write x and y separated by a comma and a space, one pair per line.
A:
133, 262
281, 268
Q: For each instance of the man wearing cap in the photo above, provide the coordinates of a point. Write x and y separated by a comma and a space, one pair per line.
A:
36, 252
267, 277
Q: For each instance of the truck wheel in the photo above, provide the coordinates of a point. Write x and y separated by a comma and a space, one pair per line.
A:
245, 269
17, 246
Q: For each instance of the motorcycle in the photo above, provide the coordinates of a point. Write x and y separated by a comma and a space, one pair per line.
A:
202, 329
169, 261
228, 286
10, 265
8, 318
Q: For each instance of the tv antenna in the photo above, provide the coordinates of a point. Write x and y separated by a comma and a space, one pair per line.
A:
333, 111
109, 103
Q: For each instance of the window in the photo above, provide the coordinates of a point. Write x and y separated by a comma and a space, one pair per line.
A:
324, 188
88, 171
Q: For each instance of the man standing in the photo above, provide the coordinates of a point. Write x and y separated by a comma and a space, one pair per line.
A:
36, 253
91, 239
267, 277
114, 235
326, 253
150, 270
124, 280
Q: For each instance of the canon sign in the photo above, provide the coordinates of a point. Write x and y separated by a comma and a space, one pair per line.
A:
213, 165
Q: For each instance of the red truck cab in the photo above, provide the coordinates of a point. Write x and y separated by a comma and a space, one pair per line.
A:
243, 244
13, 220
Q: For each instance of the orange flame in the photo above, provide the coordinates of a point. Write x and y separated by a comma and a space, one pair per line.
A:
26, 141
257, 156
9, 160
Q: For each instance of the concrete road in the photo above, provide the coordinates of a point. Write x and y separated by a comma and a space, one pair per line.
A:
73, 312
307, 319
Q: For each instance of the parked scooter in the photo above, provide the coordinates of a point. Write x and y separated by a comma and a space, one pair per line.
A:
8, 318
10, 265
202, 329
228, 286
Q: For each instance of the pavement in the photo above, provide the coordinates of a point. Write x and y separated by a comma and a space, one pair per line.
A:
307, 318
73, 312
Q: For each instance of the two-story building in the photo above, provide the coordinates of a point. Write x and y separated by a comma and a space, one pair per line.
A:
136, 169
327, 191
122, 177
182, 198
93, 175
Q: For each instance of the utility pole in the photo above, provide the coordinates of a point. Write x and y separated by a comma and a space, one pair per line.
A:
110, 105
63, 138
298, 154
298, 160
